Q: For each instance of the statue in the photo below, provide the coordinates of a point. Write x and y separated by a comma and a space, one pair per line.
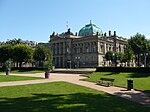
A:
69, 32
52, 35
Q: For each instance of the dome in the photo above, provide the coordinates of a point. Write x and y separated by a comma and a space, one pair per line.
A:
90, 29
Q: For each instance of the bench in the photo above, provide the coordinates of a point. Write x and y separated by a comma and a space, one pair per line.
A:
106, 81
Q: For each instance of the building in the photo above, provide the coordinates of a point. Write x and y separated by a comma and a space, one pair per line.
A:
19, 41
85, 49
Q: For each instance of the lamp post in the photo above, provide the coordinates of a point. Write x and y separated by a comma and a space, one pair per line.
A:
78, 61
145, 55
69, 64
114, 57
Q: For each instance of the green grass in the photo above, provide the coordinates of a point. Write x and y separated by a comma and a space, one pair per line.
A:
141, 80
5, 78
62, 97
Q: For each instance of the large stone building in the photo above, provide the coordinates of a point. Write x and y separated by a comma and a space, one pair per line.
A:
85, 49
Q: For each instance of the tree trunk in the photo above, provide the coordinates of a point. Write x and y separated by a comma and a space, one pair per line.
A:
138, 59
20, 64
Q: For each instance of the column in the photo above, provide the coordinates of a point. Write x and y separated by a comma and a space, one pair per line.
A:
64, 48
59, 48
104, 48
90, 50
82, 47
98, 47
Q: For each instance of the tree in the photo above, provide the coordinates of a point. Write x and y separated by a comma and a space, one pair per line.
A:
22, 53
148, 52
42, 54
14, 41
128, 53
119, 57
5, 53
109, 55
138, 45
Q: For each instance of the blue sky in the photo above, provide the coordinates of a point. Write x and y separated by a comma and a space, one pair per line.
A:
37, 19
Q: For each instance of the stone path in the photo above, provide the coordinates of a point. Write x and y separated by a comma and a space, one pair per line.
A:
136, 96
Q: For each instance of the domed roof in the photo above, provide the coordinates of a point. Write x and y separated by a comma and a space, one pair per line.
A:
90, 29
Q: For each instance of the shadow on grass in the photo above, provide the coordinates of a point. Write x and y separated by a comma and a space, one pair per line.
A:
113, 73
143, 98
132, 75
78, 102
139, 75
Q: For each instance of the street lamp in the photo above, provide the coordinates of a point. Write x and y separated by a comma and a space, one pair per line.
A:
78, 61
69, 64
114, 58
145, 55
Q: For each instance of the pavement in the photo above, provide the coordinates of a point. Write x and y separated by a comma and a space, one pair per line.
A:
133, 95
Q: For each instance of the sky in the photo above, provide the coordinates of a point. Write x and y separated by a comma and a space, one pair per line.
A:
35, 20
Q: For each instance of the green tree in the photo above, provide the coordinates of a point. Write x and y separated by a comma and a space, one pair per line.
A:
42, 54
109, 55
22, 53
14, 41
128, 53
138, 45
5, 53
119, 56
148, 52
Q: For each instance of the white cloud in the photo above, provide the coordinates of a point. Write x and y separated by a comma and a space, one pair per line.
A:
147, 37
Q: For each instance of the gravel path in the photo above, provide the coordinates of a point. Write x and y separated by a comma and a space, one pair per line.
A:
136, 96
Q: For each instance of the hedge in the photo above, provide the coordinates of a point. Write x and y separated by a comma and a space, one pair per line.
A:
123, 69
24, 68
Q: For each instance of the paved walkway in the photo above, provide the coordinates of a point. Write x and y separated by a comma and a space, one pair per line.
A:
136, 96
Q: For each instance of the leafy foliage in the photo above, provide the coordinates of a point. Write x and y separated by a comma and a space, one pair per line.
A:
109, 55
8, 65
22, 53
5, 53
140, 46
43, 55
14, 42
128, 53
138, 43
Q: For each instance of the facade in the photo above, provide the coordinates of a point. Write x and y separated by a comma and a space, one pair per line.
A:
85, 49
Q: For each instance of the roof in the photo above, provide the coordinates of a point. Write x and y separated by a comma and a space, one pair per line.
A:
90, 29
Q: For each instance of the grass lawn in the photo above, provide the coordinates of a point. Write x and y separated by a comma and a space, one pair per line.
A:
62, 97
5, 78
141, 80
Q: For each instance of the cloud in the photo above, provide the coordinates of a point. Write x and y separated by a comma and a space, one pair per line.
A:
147, 37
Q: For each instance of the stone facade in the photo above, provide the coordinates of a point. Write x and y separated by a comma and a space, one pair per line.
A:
75, 51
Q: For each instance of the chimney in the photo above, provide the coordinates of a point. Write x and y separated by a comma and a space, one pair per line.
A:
114, 33
109, 33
